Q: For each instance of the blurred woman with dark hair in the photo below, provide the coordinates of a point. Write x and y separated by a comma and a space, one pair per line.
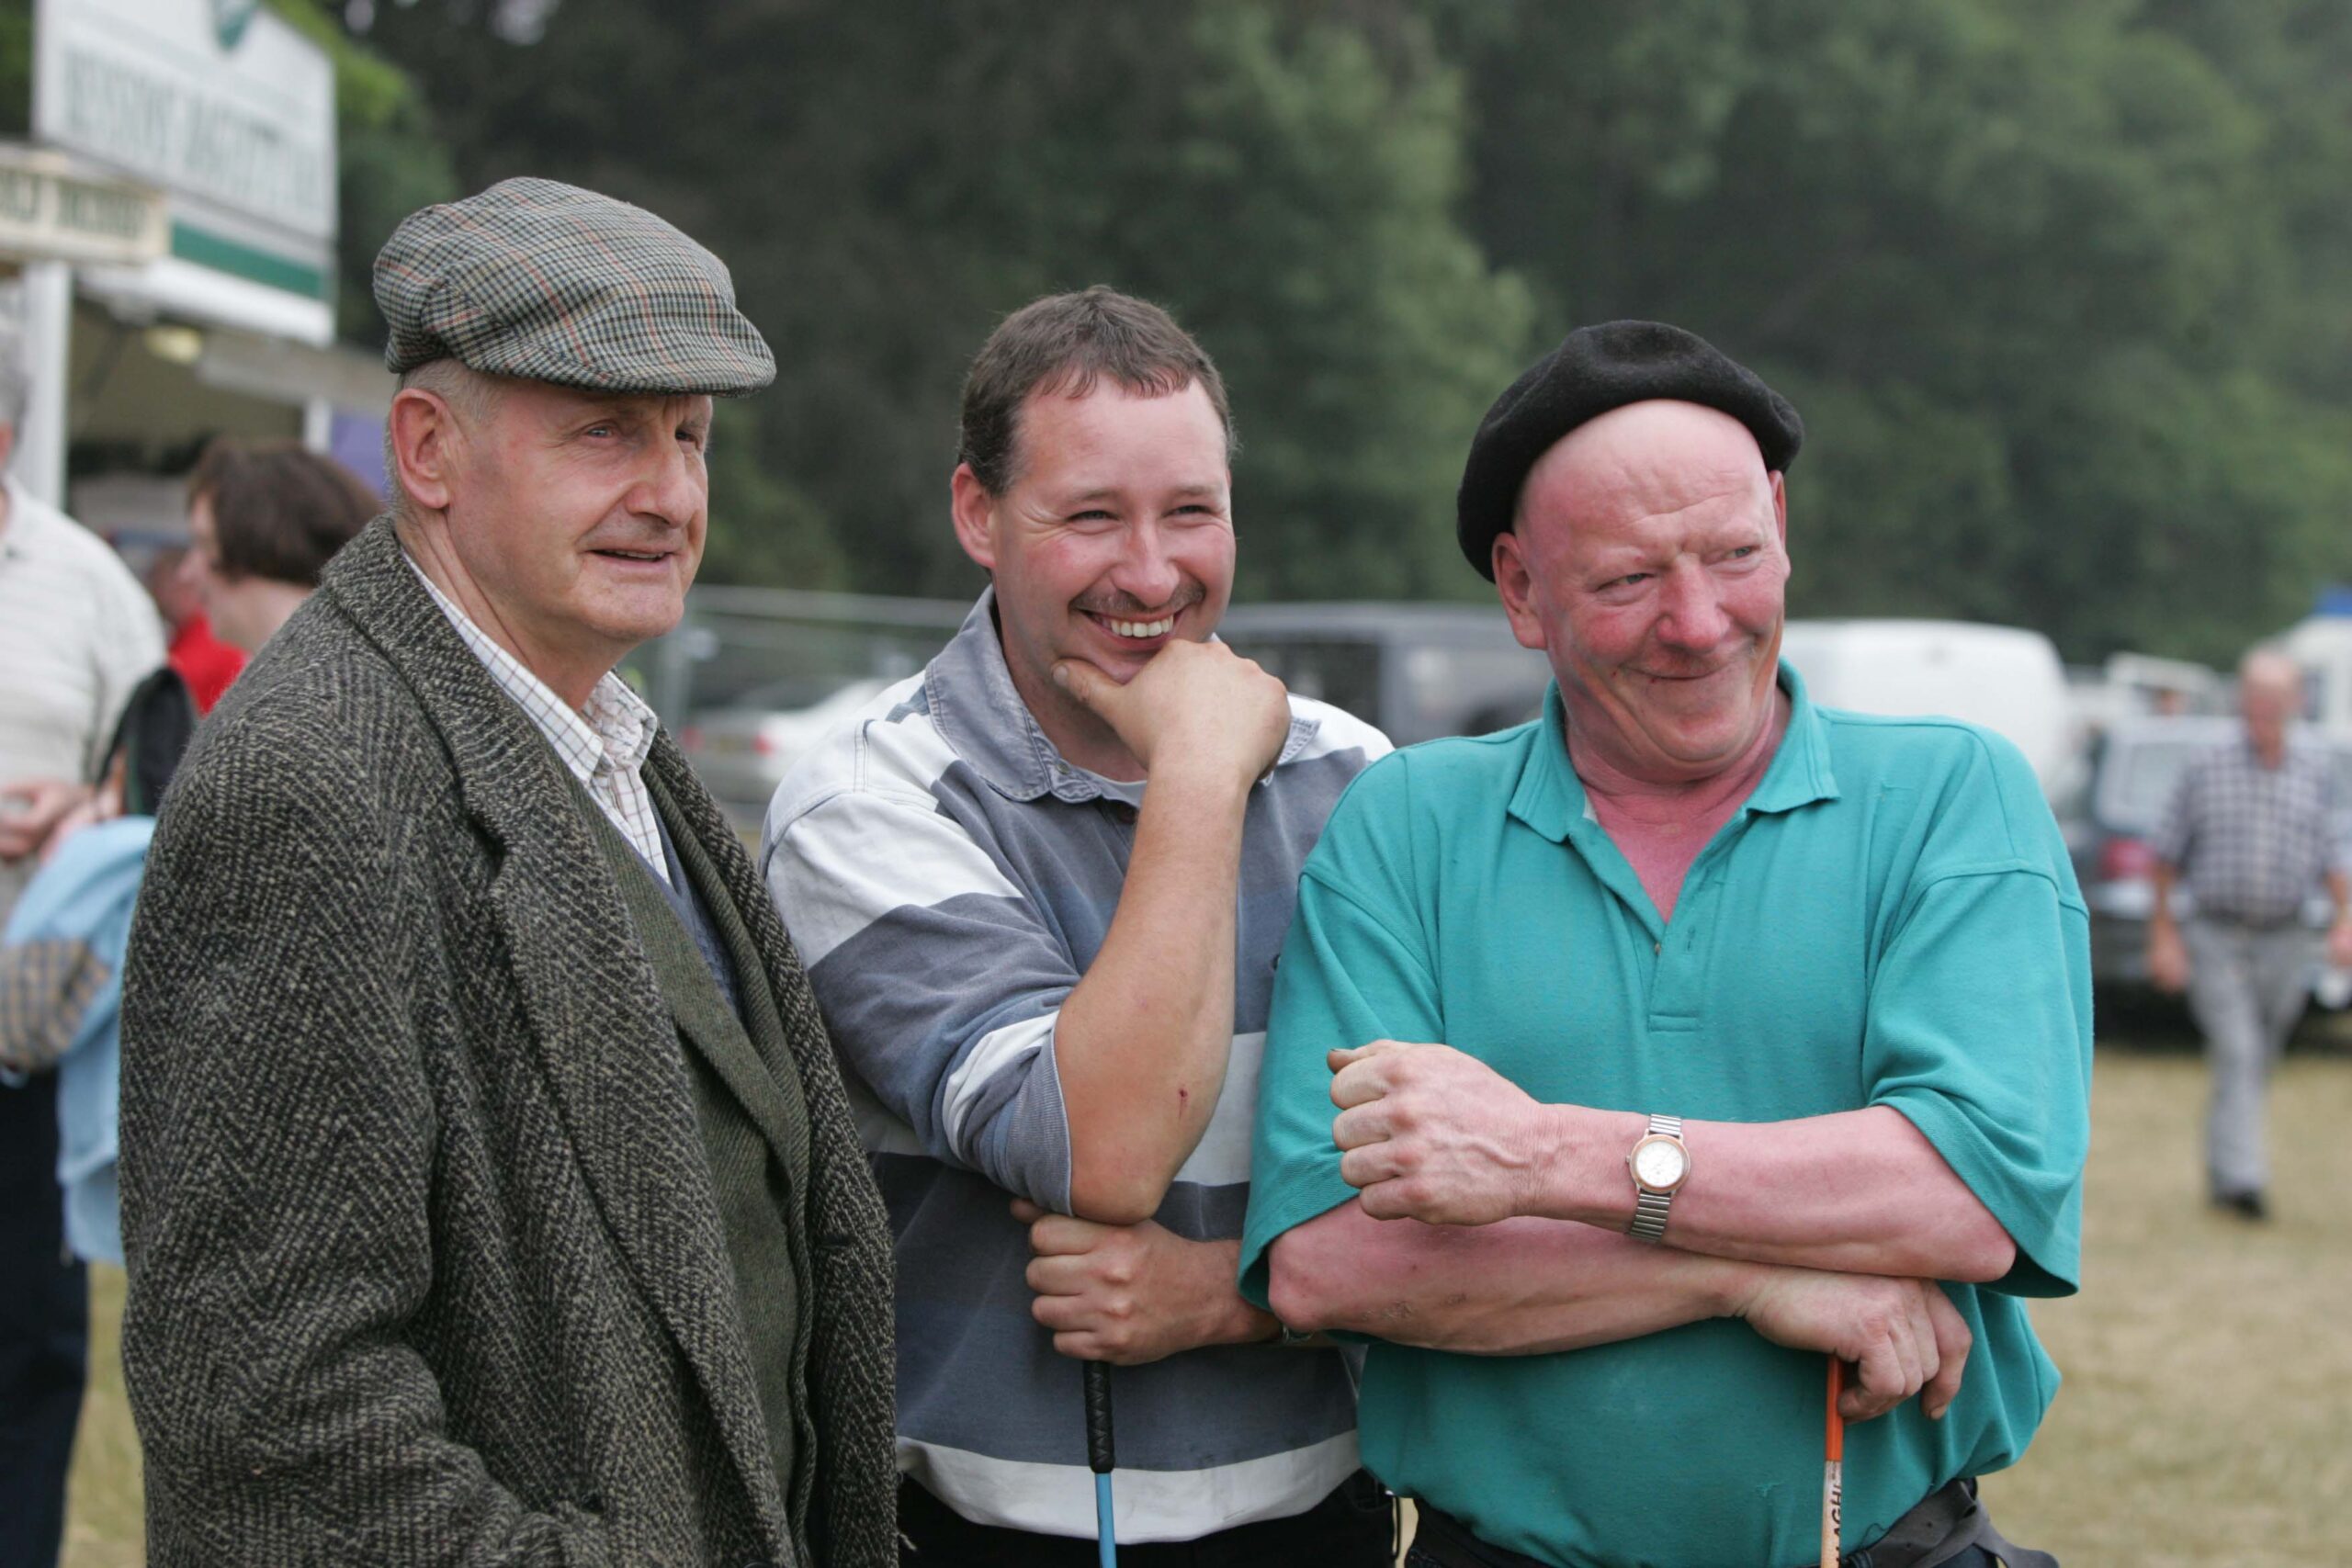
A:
264, 518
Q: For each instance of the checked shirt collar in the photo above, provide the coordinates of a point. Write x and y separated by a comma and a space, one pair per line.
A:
604, 745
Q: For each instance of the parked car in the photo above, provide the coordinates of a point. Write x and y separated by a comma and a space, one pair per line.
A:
2006, 678
742, 751
1417, 671
2138, 765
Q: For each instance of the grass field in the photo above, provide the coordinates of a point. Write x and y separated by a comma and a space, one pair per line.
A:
2207, 1416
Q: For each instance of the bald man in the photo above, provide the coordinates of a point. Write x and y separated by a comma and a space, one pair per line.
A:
2250, 832
1677, 1039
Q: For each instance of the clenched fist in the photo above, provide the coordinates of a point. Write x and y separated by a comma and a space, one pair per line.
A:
1429, 1133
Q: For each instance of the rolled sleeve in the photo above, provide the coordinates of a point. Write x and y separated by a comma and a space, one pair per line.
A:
940, 982
1979, 1032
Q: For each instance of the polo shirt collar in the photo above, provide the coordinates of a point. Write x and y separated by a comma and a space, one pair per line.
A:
1550, 797
972, 699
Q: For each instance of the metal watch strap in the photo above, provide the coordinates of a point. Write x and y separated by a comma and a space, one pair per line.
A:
1650, 1207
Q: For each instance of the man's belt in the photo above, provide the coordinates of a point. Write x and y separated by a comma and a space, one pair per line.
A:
1946, 1523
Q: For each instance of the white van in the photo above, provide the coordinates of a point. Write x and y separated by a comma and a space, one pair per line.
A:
2006, 678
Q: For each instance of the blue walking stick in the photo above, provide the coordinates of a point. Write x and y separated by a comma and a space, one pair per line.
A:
1099, 1457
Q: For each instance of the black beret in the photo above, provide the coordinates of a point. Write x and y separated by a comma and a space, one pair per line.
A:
1593, 370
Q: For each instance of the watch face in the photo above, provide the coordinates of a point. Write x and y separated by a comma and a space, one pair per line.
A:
1659, 1162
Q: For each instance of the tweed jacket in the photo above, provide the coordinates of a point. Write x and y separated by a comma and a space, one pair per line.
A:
426, 1266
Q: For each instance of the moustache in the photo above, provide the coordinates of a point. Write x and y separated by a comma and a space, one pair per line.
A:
1124, 607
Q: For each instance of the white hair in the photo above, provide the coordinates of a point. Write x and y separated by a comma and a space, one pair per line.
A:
472, 395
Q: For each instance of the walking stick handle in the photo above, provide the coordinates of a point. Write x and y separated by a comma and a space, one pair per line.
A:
1099, 1457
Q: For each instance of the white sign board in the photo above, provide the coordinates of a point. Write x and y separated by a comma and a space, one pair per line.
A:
52, 210
214, 99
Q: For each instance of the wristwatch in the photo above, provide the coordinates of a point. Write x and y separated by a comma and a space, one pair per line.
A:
1660, 1164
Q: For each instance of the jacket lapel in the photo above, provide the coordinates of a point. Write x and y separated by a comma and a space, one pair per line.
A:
700, 1009
851, 1358
603, 1038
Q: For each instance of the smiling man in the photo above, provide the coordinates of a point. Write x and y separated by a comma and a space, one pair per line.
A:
489, 1192
1040, 887
1677, 1039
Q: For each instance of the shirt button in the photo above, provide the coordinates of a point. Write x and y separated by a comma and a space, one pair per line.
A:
1657, 947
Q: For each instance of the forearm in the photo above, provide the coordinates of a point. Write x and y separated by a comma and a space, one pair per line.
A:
2159, 917
1856, 1193
2339, 894
1522, 1286
1141, 1042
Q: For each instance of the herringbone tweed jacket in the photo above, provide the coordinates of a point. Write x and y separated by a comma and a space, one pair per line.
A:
425, 1267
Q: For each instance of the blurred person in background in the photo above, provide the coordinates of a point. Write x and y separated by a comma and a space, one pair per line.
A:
280, 511
203, 661
1039, 888
1679, 1038
61, 956
264, 518
489, 1190
2250, 831
76, 634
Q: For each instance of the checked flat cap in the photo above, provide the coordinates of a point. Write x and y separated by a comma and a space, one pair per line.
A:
552, 283
1593, 370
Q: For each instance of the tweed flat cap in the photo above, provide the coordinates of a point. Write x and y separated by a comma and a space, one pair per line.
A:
552, 283
1593, 370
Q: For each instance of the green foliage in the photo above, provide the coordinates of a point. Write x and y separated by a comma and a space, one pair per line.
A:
2064, 291
391, 159
16, 67
889, 182
2061, 290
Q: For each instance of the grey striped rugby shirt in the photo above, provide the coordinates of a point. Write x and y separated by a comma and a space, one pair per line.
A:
948, 877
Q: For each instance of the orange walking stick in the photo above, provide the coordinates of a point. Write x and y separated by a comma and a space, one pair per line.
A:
1833, 1470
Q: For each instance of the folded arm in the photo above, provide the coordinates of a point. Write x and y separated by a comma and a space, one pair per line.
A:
1434, 1135
1531, 1286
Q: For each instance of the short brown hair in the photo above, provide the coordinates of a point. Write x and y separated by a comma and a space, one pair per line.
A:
1065, 344
279, 511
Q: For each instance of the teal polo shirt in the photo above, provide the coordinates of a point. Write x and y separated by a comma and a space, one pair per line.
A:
1889, 919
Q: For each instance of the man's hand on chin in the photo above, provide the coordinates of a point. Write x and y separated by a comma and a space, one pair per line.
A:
1194, 705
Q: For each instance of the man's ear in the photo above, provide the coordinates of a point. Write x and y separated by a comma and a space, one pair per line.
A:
7, 445
975, 510
424, 430
1515, 583
1780, 507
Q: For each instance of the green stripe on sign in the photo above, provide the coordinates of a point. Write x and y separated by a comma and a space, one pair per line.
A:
207, 249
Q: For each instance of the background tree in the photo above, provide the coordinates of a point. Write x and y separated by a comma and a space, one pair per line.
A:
889, 182
2030, 272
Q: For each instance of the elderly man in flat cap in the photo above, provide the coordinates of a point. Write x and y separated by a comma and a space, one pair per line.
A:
489, 1190
1676, 1039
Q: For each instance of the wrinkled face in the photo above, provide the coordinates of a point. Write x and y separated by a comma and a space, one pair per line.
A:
1115, 538
238, 615
580, 516
1648, 563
